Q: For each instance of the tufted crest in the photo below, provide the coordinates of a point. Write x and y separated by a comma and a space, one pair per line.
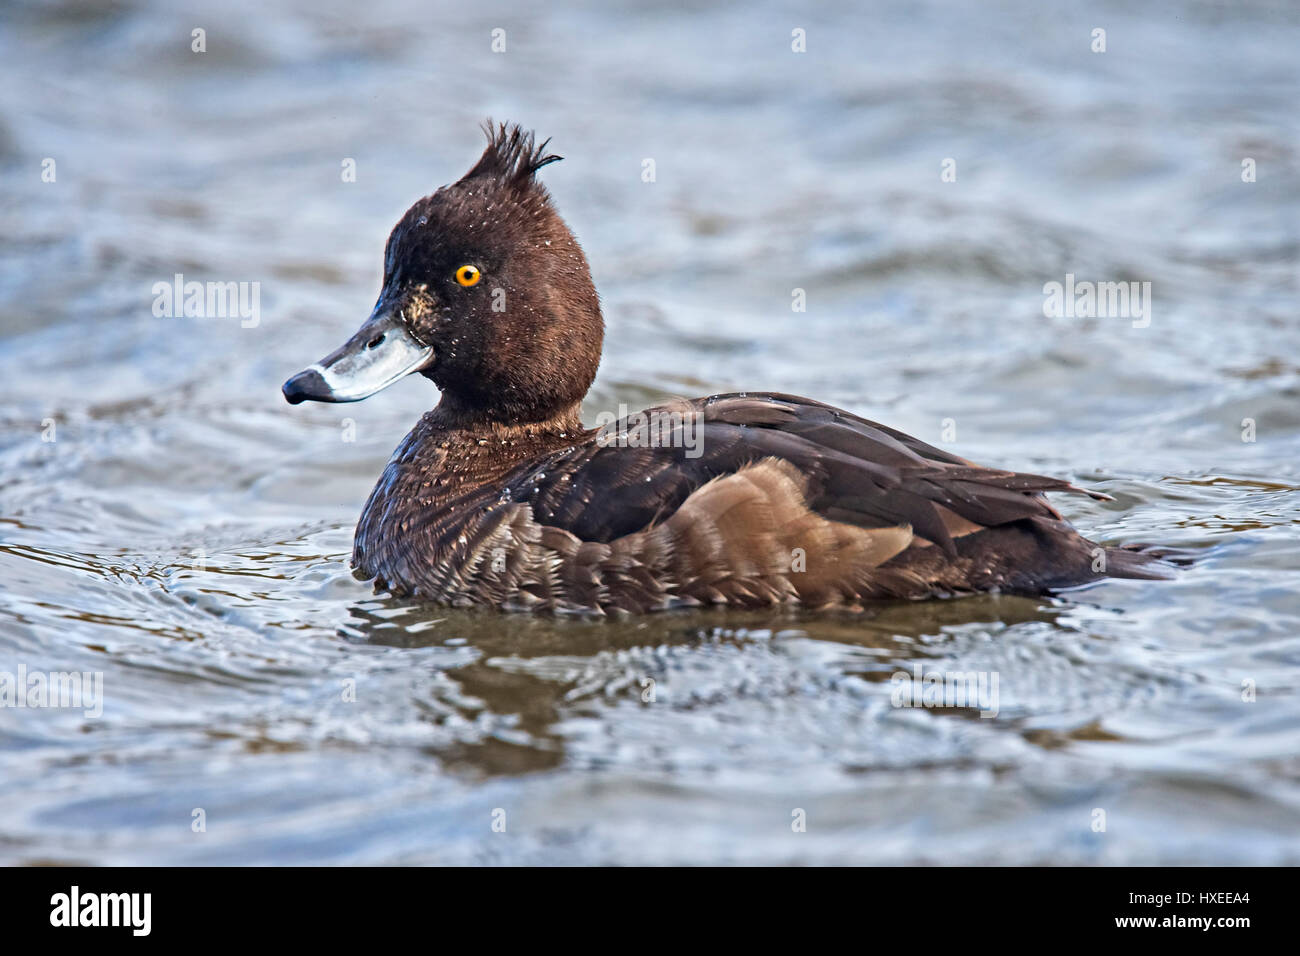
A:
512, 156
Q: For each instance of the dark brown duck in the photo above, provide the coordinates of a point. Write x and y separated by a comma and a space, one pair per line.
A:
500, 496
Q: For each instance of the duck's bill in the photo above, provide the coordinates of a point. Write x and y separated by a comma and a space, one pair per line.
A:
379, 354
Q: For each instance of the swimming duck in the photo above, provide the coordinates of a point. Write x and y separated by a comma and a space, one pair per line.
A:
500, 496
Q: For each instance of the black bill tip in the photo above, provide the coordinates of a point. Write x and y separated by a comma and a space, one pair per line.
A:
306, 386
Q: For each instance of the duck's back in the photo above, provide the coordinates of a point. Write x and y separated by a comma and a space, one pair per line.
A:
746, 500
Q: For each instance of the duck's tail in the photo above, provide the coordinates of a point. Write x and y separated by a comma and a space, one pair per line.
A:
1135, 562
1038, 555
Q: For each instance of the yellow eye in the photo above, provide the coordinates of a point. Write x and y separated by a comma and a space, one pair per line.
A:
468, 275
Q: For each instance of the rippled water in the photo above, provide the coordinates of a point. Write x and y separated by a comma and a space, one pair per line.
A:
185, 532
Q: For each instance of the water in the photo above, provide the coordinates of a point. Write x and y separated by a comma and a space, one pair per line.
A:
186, 532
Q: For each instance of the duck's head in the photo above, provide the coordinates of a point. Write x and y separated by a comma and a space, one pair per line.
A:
486, 292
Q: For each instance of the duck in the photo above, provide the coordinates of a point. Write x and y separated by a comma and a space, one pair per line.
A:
501, 497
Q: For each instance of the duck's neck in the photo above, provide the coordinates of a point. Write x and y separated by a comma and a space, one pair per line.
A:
452, 416
459, 451
448, 460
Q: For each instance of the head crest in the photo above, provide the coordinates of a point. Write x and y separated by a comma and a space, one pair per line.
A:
512, 155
